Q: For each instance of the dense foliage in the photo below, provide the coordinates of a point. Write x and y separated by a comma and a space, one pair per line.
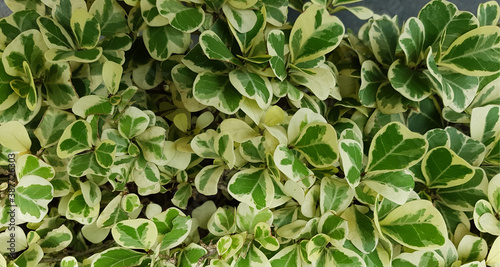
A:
220, 133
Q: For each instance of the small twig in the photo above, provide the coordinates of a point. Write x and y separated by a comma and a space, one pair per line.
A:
211, 250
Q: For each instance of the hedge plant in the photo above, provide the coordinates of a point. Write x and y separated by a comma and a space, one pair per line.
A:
224, 133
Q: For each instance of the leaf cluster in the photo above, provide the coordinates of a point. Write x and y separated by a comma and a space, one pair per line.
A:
221, 133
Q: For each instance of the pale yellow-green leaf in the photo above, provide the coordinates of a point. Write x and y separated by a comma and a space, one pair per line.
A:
112, 74
13, 135
474, 53
181, 122
238, 129
493, 258
95, 234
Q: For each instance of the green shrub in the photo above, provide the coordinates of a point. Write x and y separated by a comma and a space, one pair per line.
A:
221, 133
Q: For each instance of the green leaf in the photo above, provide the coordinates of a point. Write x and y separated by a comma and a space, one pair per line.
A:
384, 34
80, 211
54, 34
247, 39
151, 14
185, 19
18, 22
351, 156
276, 49
456, 90
394, 147
161, 42
461, 23
117, 256
76, 138
418, 258
31, 165
253, 150
288, 256
28, 46
135, 234
91, 192
30, 257
81, 56
427, 116
463, 197
443, 168
151, 142
322, 83
174, 225
472, 248
412, 84
56, 240
8, 97
86, 28
485, 123
494, 192
191, 255
207, 179
262, 234
225, 97
488, 13
93, 104
316, 246
148, 76
465, 147
222, 222
130, 202
214, 48
85, 163
335, 227
484, 217
32, 197
111, 17
120, 142
57, 82
182, 195
415, 218
248, 217
277, 12
62, 9
253, 187
314, 33
69, 261
435, 16
335, 195
473, 53
254, 257
390, 102
371, 79
133, 122
52, 125
300, 120
289, 164
252, 86
318, 143
105, 153
412, 41
489, 94
393, 185
362, 231
111, 214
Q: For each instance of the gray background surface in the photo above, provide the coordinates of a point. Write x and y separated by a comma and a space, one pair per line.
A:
403, 8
